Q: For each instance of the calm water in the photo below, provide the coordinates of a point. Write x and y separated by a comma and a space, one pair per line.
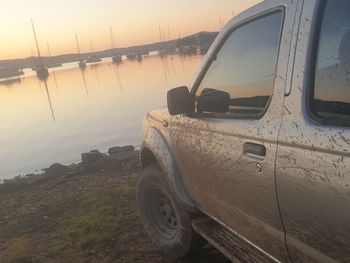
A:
79, 111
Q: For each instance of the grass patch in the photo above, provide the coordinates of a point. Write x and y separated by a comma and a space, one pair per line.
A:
97, 221
89, 228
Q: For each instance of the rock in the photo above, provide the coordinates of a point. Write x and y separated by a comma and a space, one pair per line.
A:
29, 175
133, 164
121, 150
56, 169
95, 161
106, 163
91, 157
71, 174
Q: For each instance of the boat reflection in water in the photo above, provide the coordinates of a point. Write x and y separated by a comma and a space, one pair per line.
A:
84, 82
82, 114
117, 74
49, 100
10, 81
95, 68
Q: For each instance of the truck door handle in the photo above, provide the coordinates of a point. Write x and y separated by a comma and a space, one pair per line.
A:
253, 150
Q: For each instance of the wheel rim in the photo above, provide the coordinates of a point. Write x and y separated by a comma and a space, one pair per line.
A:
161, 213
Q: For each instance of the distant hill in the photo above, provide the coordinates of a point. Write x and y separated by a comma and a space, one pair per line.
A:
201, 38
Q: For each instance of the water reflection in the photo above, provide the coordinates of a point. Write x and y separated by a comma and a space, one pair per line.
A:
49, 100
118, 97
116, 71
95, 67
82, 71
54, 77
10, 82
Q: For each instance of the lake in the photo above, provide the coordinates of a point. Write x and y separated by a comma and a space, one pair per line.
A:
77, 111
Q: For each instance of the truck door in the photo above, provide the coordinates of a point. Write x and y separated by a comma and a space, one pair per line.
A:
228, 159
313, 161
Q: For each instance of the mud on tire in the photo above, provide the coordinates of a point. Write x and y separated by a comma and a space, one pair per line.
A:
165, 220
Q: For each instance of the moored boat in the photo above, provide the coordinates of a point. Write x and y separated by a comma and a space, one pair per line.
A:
54, 65
117, 59
10, 81
131, 56
93, 59
41, 70
82, 64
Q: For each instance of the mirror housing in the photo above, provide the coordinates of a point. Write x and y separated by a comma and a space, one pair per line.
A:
180, 101
212, 100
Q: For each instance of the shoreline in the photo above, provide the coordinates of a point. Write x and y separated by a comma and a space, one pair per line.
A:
91, 161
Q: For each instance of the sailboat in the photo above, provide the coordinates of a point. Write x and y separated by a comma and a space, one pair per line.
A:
41, 71
82, 64
93, 58
117, 59
52, 65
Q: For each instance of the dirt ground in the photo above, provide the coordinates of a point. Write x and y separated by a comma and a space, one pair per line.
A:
87, 217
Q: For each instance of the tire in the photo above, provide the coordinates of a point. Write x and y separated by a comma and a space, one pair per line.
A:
167, 223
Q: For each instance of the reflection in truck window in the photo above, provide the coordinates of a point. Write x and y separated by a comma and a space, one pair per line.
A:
332, 78
246, 64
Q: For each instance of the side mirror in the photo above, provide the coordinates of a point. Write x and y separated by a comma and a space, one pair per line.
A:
212, 100
180, 101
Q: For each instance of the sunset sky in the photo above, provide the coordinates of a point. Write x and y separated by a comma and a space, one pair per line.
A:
134, 22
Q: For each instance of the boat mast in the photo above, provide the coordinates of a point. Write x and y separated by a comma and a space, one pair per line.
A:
48, 49
76, 38
112, 40
91, 46
36, 42
49, 52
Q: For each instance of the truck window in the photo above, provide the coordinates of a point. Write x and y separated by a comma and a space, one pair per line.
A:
331, 98
245, 66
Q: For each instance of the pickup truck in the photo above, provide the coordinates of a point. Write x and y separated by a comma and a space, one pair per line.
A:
255, 157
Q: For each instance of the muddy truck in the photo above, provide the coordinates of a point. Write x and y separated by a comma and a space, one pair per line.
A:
254, 158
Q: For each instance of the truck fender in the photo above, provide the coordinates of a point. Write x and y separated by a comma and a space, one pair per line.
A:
155, 149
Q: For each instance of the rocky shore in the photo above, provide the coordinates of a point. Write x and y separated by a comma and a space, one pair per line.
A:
93, 161
83, 212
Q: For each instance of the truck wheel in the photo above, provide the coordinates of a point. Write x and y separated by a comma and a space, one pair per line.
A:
167, 223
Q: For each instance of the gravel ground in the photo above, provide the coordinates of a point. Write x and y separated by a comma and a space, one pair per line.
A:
79, 217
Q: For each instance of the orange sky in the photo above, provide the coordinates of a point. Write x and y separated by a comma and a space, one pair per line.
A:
134, 22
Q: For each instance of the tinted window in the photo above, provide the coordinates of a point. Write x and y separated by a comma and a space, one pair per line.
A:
332, 79
245, 66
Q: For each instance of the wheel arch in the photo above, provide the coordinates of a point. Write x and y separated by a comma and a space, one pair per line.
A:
155, 149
